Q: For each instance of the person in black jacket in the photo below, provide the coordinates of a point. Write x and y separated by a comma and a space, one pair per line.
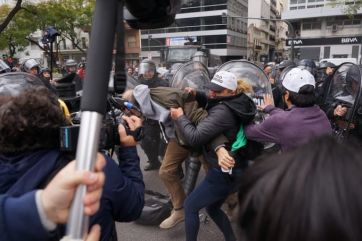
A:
227, 113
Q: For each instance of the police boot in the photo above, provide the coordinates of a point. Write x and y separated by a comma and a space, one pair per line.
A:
176, 217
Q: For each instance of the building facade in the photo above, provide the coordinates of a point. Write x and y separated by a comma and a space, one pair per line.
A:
323, 31
202, 22
265, 36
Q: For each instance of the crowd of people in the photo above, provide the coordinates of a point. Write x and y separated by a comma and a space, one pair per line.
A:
306, 190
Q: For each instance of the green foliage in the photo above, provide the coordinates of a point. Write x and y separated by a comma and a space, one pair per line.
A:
69, 17
350, 7
20, 27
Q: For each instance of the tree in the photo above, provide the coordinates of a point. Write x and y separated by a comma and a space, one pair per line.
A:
70, 17
13, 36
9, 15
350, 7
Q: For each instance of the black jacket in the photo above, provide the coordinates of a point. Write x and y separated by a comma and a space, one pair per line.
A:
225, 116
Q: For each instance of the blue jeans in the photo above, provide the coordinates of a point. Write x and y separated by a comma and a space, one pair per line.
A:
211, 194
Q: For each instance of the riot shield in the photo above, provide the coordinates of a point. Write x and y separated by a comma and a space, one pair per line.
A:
252, 75
192, 74
345, 90
131, 82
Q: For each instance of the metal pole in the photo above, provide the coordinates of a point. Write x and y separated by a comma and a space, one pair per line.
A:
149, 44
93, 105
51, 60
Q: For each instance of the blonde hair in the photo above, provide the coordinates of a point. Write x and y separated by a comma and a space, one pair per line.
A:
244, 87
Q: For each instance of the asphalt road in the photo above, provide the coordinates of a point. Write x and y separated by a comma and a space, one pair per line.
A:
136, 232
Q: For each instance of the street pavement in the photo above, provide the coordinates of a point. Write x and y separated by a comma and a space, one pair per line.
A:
136, 232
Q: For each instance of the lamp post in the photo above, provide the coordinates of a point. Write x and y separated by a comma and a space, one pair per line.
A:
149, 45
290, 26
50, 35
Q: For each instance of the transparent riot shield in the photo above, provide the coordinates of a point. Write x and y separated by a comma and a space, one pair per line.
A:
345, 90
131, 82
253, 76
192, 74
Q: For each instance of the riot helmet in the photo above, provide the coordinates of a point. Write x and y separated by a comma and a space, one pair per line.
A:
309, 65
326, 64
147, 69
31, 66
4, 68
285, 63
71, 66
45, 73
201, 57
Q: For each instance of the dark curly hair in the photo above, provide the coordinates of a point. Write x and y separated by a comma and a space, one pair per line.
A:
30, 121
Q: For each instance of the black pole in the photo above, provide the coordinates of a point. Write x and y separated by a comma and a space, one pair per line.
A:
120, 79
93, 104
51, 60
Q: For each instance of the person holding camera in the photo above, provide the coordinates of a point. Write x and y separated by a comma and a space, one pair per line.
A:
30, 156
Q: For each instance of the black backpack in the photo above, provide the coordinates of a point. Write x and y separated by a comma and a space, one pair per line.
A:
157, 208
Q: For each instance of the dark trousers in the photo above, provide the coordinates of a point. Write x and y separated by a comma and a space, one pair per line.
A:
151, 141
211, 194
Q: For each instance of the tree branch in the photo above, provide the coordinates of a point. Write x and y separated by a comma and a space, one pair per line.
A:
11, 15
37, 44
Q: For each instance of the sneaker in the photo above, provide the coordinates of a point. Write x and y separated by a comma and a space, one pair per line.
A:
150, 167
175, 218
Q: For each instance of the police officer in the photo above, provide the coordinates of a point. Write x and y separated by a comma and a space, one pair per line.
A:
31, 66
44, 75
309, 65
324, 77
71, 69
151, 143
201, 57
275, 80
345, 112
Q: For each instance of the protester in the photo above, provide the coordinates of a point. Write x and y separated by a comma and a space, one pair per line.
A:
226, 111
34, 215
308, 194
301, 122
29, 151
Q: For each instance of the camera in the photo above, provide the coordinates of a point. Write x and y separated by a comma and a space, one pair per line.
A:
109, 136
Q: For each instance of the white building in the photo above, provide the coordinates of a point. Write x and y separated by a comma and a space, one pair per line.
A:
323, 31
202, 21
265, 36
